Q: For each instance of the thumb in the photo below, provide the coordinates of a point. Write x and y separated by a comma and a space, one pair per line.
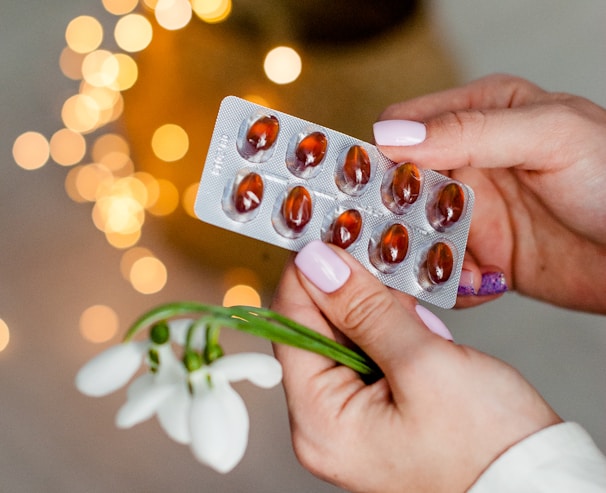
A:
384, 324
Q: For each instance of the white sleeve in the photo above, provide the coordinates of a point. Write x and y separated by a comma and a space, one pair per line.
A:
557, 459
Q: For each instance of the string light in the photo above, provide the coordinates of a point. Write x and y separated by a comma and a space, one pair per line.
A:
99, 323
241, 294
84, 34
5, 335
31, 150
282, 65
67, 147
173, 14
170, 142
133, 33
148, 275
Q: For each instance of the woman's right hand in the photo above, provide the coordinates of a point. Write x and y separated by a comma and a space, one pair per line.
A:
537, 163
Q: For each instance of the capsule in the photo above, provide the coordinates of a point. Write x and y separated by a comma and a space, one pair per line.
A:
310, 151
260, 136
296, 209
356, 167
406, 184
346, 228
448, 207
248, 193
393, 244
440, 263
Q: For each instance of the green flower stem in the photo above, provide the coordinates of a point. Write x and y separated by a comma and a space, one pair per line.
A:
263, 323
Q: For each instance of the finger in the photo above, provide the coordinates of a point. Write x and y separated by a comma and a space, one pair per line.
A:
386, 327
468, 134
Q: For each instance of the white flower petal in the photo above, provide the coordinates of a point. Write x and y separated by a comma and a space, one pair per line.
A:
143, 405
173, 415
140, 385
261, 369
219, 427
111, 369
178, 332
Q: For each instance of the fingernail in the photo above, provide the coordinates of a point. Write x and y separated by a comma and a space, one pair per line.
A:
466, 286
492, 283
322, 266
433, 323
399, 132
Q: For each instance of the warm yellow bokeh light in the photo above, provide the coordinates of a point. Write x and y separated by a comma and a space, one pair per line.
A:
107, 143
150, 4
170, 142
80, 113
67, 147
241, 294
128, 72
189, 198
5, 335
100, 68
173, 14
212, 11
151, 186
118, 214
70, 185
31, 150
148, 275
133, 33
119, 7
168, 199
129, 257
99, 323
241, 275
89, 179
70, 63
282, 65
84, 34
122, 241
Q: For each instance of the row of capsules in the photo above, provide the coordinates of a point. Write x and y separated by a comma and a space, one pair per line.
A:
329, 185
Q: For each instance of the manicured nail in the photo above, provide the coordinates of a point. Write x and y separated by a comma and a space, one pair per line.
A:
492, 283
399, 132
466, 287
322, 266
433, 323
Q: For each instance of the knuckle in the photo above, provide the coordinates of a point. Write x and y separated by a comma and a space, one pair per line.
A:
363, 309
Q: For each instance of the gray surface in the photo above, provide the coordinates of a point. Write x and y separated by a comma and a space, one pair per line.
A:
55, 264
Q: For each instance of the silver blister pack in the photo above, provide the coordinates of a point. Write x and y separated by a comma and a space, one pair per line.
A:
286, 181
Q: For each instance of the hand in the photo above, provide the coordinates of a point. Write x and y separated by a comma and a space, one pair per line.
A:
536, 161
438, 418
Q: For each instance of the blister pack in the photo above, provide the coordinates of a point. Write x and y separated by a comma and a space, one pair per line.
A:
286, 181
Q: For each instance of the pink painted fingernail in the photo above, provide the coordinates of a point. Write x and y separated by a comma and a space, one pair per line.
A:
399, 132
322, 266
433, 323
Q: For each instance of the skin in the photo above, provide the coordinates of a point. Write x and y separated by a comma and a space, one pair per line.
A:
535, 160
444, 412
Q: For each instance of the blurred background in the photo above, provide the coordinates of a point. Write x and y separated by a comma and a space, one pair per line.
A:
107, 110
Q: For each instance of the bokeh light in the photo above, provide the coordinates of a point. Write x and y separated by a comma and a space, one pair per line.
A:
170, 142
119, 7
122, 241
133, 33
70, 63
189, 198
282, 65
31, 150
128, 72
173, 14
84, 34
67, 147
99, 323
212, 11
100, 68
129, 257
167, 201
89, 179
242, 294
148, 275
80, 113
5, 335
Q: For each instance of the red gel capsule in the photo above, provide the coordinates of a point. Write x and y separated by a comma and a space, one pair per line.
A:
248, 194
406, 184
296, 209
440, 263
356, 168
346, 228
310, 151
449, 206
393, 244
261, 135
